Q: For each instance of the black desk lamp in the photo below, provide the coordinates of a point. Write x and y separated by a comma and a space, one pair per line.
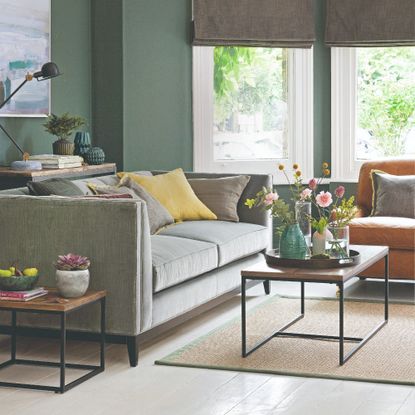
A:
49, 70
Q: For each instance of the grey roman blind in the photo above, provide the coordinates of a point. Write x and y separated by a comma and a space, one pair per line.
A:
370, 23
268, 23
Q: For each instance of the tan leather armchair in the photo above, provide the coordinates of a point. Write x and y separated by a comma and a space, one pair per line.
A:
397, 233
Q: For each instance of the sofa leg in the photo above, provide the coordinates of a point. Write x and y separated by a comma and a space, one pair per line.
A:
267, 287
132, 347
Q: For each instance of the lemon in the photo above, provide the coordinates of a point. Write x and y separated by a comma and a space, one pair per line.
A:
5, 273
30, 272
12, 270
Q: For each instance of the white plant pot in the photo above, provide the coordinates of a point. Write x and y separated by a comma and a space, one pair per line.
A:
319, 241
72, 284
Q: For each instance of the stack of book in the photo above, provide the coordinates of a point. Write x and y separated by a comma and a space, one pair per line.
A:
22, 295
54, 161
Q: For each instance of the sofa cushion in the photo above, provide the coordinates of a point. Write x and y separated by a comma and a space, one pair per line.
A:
173, 191
55, 186
179, 259
397, 233
233, 240
221, 195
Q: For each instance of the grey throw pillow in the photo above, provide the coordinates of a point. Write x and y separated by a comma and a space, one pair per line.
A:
59, 187
158, 215
393, 195
221, 195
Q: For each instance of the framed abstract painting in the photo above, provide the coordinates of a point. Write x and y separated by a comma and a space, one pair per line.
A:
24, 48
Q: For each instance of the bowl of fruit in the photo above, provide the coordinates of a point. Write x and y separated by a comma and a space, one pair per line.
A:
13, 279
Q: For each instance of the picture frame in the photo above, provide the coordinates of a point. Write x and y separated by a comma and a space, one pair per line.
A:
25, 45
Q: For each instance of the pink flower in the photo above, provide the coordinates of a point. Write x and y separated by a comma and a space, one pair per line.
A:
324, 199
270, 198
312, 184
306, 194
339, 192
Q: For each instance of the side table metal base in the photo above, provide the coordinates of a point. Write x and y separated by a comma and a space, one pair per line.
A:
63, 387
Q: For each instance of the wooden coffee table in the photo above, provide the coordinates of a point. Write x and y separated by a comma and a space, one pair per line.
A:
55, 305
338, 276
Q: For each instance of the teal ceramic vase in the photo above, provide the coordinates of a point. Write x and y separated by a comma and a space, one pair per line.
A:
82, 143
292, 243
95, 155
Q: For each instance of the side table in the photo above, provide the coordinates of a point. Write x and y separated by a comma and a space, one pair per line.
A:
55, 305
10, 179
339, 276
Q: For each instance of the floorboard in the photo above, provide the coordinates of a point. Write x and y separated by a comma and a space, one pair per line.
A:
160, 390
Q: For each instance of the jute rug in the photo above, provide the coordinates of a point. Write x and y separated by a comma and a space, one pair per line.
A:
389, 357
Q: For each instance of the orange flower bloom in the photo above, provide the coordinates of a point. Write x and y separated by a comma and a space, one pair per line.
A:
295, 166
298, 173
326, 172
325, 165
281, 167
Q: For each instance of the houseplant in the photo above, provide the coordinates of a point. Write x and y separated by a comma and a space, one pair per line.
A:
72, 275
62, 127
292, 242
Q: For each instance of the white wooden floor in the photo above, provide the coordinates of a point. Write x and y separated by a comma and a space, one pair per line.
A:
159, 390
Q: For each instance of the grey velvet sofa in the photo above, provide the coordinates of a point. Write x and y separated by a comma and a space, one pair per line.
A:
150, 279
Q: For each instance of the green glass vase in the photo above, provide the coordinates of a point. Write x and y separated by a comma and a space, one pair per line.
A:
292, 243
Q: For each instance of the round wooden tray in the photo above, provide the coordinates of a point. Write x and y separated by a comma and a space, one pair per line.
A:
273, 260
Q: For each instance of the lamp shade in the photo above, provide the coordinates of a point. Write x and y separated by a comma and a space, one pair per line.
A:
49, 70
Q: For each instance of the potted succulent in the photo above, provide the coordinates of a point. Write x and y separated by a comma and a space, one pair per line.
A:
72, 275
62, 127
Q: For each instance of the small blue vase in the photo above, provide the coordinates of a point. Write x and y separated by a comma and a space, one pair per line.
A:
292, 243
82, 143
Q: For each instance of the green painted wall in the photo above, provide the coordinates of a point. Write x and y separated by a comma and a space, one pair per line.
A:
322, 91
157, 84
107, 79
71, 92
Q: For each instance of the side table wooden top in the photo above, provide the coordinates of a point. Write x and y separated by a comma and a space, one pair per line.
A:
370, 254
70, 172
53, 302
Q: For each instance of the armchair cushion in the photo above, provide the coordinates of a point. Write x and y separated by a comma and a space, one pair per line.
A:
397, 233
393, 195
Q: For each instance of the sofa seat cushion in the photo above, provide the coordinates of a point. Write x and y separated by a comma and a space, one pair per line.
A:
397, 233
233, 240
179, 259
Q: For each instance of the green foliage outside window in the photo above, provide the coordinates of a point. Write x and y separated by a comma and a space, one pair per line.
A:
387, 96
248, 80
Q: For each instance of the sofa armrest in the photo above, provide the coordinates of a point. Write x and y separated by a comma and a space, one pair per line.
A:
114, 234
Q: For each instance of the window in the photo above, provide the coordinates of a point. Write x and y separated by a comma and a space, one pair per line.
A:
373, 106
245, 101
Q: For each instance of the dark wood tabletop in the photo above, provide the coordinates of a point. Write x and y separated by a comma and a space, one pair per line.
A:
370, 254
53, 302
70, 172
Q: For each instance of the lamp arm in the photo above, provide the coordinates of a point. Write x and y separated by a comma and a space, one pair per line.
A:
13, 94
12, 139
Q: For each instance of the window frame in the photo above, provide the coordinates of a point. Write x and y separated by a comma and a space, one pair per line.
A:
344, 108
344, 104
300, 117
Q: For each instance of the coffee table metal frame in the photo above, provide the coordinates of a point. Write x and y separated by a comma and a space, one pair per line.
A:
341, 338
62, 364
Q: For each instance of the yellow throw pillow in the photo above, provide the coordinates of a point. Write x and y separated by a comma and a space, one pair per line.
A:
174, 192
